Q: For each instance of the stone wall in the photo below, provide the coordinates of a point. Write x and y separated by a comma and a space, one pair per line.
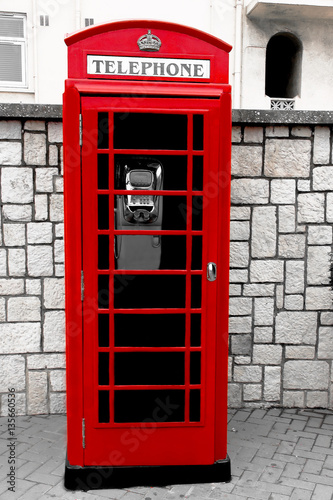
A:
281, 333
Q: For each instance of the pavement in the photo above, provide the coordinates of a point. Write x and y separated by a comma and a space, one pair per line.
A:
276, 454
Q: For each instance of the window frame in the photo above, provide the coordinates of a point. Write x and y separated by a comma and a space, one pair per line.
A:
22, 42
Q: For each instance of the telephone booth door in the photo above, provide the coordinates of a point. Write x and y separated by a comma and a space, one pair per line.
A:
149, 309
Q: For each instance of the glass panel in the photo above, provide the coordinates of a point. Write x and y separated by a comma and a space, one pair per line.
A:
150, 252
149, 368
103, 211
150, 131
150, 212
196, 253
197, 173
195, 291
103, 171
103, 330
103, 406
139, 291
103, 368
149, 330
198, 132
103, 251
195, 330
197, 202
195, 367
169, 172
195, 405
149, 406
103, 130
103, 291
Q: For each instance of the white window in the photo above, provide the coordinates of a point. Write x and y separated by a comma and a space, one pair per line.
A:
12, 50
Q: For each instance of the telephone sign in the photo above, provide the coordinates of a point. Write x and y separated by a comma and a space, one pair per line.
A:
147, 134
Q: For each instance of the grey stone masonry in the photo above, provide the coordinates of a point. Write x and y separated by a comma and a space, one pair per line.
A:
281, 317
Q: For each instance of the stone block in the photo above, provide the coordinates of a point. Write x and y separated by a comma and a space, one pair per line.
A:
53, 155
240, 213
277, 131
263, 334
300, 352
58, 184
294, 302
240, 306
54, 293
318, 298
24, 309
238, 276
39, 232
20, 405
58, 380
59, 251
286, 158
293, 399
303, 185
57, 403
10, 153
296, 327
57, 207
325, 346
320, 235
59, 230
14, 235
44, 179
10, 129
37, 125
262, 271
234, 396
267, 354
311, 207
11, 286
258, 290
19, 337
250, 191
239, 230
248, 374
263, 311
40, 260
239, 254
3, 262
287, 219
41, 207
301, 131
46, 361
292, 246
263, 232
235, 290
54, 331
321, 145
33, 287
236, 134
272, 386
37, 393
241, 344
246, 161
313, 375
318, 265
12, 373
240, 324
17, 185
2, 310
316, 399
34, 148
242, 360
252, 392
294, 276
16, 262
54, 132
253, 134
326, 318
323, 178
59, 270
283, 191
17, 213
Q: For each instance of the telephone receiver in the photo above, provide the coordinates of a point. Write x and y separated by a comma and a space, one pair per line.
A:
138, 211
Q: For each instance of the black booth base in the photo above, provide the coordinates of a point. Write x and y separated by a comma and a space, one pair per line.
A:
92, 478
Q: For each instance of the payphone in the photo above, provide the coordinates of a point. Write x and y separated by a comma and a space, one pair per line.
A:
147, 143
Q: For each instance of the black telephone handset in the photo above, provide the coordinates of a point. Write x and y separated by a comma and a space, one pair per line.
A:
138, 211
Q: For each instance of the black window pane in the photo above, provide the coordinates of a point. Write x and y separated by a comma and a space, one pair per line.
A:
195, 405
103, 406
197, 173
149, 330
103, 251
149, 368
198, 129
195, 291
197, 204
195, 330
103, 330
195, 367
103, 368
103, 130
149, 406
150, 131
103, 291
103, 171
196, 253
103, 211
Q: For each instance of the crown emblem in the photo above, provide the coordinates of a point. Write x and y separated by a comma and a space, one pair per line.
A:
149, 42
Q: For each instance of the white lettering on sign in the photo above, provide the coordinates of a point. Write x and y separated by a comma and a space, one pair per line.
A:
148, 66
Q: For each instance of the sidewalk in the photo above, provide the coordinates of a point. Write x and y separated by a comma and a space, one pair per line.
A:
276, 454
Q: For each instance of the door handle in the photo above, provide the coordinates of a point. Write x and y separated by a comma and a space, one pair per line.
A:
211, 271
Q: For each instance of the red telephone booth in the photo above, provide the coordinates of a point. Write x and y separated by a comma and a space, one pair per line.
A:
147, 134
